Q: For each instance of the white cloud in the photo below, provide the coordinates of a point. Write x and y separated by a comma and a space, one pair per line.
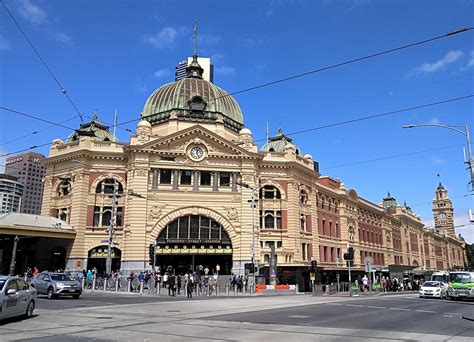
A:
163, 39
206, 39
217, 57
31, 12
451, 57
471, 61
4, 44
438, 161
434, 121
63, 38
224, 70
161, 73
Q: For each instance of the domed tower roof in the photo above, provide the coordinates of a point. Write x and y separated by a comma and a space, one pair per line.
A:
278, 143
94, 129
193, 99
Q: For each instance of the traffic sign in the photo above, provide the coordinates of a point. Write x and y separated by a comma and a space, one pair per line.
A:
368, 260
312, 276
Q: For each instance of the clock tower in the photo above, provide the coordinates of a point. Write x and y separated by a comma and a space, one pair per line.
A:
443, 212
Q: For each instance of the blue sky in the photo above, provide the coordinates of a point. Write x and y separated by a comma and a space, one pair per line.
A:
114, 54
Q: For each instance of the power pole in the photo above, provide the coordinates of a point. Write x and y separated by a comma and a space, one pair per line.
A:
13, 262
108, 263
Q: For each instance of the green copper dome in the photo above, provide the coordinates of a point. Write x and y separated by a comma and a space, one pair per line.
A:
278, 143
94, 129
193, 99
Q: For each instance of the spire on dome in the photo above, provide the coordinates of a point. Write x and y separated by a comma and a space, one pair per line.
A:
194, 69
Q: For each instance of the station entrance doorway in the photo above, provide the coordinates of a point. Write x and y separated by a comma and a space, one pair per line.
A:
97, 258
193, 243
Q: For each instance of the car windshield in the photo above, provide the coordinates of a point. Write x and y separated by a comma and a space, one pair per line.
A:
461, 278
61, 277
439, 278
2, 282
431, 284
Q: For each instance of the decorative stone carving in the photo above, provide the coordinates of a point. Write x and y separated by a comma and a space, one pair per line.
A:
232, 213
155, 211
246, 139
153, 196
351, 233
143, 131
388, 238
247, 178
140, 172
77, 176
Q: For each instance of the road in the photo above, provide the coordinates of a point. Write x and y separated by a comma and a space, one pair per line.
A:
290, 318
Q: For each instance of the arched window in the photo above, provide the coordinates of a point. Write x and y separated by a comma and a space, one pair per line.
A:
269, 192
64, 188
63, 214
106, 216
107, 187
269, 221
194, 228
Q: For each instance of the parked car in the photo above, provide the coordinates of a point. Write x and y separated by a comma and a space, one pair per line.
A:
433, 289
17, 297
56, 284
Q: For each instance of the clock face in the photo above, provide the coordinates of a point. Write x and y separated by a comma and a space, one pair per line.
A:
196, 153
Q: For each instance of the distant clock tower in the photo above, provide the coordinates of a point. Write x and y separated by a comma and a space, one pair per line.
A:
443, 212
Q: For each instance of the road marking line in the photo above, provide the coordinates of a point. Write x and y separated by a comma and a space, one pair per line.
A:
447, 315
376, 307
428, 311
298, 316
453, 313
357, 305
400, 309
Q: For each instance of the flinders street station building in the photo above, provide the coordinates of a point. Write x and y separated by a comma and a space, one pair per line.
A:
192, 182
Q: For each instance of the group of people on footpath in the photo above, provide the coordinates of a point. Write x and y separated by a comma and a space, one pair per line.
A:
387, 284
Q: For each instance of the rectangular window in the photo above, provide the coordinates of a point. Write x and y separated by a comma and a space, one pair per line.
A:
278, 219
224, 179
205, 179
303, 251
119, 218
165, 176
186, 177
96, 220
303, 222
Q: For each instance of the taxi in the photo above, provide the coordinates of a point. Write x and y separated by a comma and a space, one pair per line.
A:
17, 297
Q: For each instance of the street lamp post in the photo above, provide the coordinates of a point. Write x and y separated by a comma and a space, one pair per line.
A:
470, 160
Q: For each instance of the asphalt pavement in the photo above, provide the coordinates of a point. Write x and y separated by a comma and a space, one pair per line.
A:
109, 317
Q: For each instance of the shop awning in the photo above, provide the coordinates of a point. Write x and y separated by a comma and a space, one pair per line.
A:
35, 225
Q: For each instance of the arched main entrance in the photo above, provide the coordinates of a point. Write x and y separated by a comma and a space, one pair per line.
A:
193, 243
97, 258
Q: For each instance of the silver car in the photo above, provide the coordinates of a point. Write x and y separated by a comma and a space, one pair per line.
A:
17, 297
56, 284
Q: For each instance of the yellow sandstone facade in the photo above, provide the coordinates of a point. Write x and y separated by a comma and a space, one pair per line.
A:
187, 181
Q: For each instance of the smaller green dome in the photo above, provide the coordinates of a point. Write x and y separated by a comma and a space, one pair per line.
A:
95, 129
278, 143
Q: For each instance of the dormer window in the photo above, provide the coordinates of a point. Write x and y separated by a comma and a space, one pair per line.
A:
197, 103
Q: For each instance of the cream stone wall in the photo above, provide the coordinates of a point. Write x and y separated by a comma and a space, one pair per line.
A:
145, 217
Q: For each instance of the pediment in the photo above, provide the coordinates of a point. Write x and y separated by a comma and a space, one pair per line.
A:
181, 142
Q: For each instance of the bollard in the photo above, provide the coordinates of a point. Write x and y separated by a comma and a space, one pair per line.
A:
235, 290
93, 284
297, 288
227, 290
129, 285
217, 289
83, 283
197, 291
105, 284
141, 287
117, 281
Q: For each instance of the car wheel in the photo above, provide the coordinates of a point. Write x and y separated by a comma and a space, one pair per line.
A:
76, 296
30, 309
50, 293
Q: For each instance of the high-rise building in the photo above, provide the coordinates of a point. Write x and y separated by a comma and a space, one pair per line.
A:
443, 212
11, 192
205, 63
30, 171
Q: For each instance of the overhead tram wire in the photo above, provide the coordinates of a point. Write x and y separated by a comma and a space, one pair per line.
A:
341, 122
333, 66
63, 90
392, 157
35, 117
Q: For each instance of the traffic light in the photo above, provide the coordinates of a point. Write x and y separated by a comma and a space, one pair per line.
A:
151, 254
350, 253
250, 267
314, 265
